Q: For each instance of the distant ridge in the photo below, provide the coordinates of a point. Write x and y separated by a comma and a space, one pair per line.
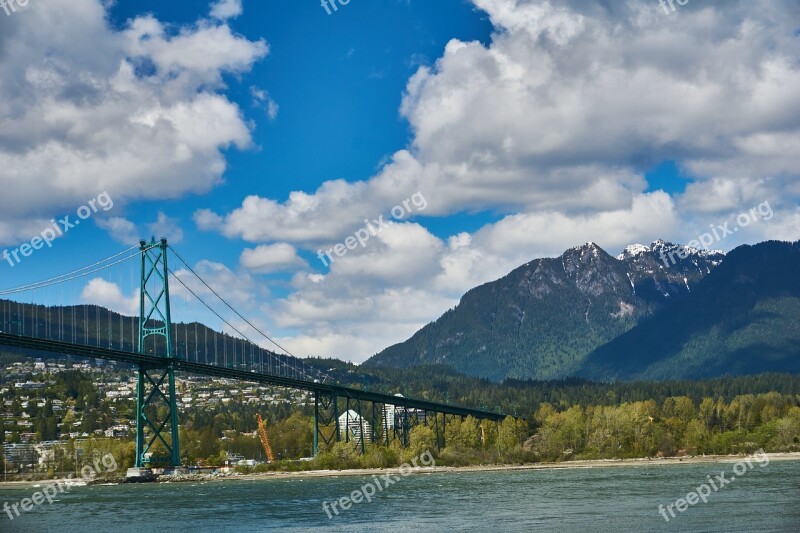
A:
543, 319
744, 318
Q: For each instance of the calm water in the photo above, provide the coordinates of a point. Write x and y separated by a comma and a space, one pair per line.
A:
591, 499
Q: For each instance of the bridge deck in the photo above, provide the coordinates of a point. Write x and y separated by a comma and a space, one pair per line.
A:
150, 361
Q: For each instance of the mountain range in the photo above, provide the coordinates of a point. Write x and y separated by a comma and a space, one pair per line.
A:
657, 312
663, 311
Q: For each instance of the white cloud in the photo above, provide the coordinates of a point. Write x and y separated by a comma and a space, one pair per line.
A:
547, 232
238, 288
166, 227
126, 232
271, 258
263, 99
401, 254
18, 230
138, 112
202, 52
567, 108
226, 9
109, 295
120, 229
300, 218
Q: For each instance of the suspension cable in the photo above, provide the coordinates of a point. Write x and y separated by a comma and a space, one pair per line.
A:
74, 274
230, 306
234, 328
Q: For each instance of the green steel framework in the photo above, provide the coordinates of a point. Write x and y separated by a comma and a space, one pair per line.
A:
155, 321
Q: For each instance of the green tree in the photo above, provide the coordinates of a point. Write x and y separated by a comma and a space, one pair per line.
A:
421, 439
510, 435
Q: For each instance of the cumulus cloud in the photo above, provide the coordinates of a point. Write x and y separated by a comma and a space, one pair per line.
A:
238, 288
126, 232
342, 205
226, 9
566, 110
136, 111
109, 295
271, 258
166, 228
120, 229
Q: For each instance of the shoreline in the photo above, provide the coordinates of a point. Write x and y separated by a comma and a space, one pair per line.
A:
577, 464
586, 463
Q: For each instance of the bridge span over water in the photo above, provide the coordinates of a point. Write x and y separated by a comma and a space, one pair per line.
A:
158, 349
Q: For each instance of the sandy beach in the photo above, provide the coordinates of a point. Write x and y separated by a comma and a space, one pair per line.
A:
594, 463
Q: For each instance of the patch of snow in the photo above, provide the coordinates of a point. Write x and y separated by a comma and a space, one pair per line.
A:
633, 250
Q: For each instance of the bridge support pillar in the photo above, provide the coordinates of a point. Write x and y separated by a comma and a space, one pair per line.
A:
362, 436
436, 429
153, 393
156, 386
326, 420
315, 450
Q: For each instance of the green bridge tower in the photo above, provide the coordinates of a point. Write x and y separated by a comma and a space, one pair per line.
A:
155, 392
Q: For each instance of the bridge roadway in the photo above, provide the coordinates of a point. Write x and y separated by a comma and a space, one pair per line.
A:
153, 362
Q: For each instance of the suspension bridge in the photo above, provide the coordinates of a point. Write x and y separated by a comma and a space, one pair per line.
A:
157, 348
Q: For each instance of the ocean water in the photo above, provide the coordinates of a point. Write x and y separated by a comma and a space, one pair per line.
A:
576, 499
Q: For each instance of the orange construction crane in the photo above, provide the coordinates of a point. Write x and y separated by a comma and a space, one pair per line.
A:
262, 433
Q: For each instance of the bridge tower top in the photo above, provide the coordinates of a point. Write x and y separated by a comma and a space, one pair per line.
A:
154, 306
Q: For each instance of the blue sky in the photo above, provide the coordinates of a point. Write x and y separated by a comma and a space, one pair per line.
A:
338, 80
255, 134
338, 95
